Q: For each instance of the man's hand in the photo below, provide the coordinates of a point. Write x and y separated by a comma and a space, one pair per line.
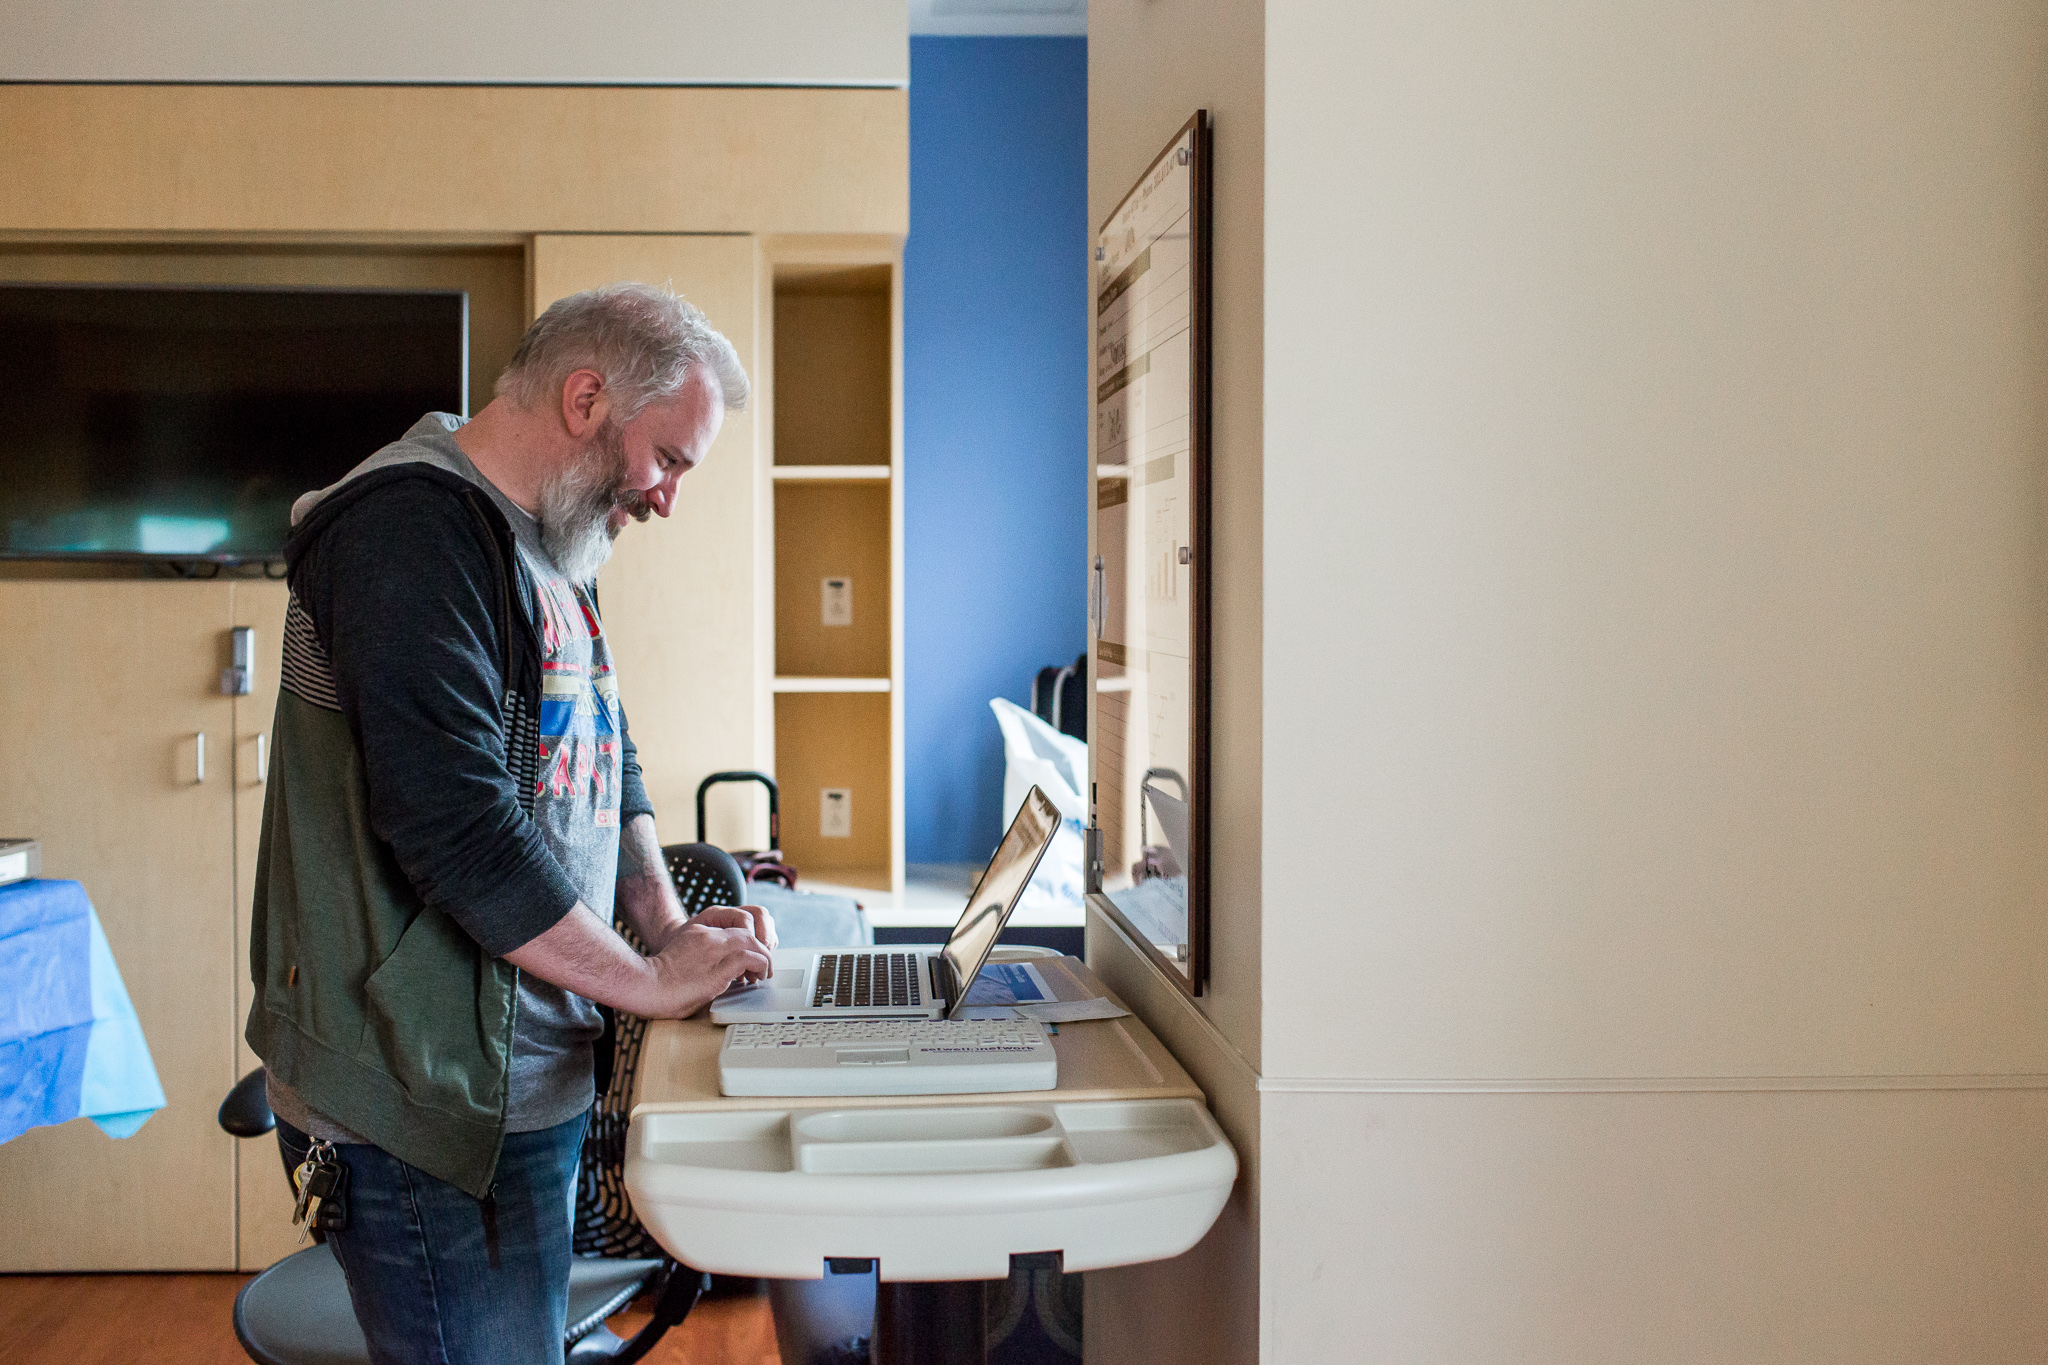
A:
696, 961
699, 961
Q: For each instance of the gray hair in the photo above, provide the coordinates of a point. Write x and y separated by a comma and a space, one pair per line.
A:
644, 341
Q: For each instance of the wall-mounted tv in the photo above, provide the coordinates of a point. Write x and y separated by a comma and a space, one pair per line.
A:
179, 422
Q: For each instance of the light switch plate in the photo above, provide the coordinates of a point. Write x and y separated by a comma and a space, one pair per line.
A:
838, 601
835, 813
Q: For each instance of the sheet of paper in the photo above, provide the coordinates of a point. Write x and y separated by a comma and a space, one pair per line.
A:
1009, 983
1072, 1011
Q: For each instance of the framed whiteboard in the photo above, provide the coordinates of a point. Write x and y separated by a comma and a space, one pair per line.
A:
1149, 642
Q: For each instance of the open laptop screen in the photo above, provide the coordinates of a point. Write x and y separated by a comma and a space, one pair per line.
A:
997, 893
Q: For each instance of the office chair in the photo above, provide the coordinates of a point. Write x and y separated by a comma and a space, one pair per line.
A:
298, 1313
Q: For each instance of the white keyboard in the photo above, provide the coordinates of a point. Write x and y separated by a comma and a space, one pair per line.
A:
887, 1057
974, 1033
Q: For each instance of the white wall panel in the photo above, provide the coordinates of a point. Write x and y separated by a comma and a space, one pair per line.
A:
696, 42
1862, 1228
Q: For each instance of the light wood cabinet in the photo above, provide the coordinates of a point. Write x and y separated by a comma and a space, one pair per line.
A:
109, 688
263, 1201
240, 1215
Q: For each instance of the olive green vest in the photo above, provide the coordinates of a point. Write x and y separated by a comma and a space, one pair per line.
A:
404, 1033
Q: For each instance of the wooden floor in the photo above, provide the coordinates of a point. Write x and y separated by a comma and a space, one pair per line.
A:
184, 1320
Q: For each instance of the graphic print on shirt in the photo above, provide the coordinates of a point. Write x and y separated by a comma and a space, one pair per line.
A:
580, 758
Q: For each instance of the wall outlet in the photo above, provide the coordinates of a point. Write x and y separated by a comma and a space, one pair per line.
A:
838, 599
835, 813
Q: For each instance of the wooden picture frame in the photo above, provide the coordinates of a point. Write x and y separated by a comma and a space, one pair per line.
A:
1149, 638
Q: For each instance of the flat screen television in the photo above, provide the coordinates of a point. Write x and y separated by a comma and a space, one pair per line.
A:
179, 423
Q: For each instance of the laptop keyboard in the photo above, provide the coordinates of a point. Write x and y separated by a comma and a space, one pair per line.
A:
868, 980
949, 1033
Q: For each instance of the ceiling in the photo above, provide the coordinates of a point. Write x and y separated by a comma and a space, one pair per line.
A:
999, 18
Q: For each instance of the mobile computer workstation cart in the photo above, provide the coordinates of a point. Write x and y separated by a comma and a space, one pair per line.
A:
1121, 1163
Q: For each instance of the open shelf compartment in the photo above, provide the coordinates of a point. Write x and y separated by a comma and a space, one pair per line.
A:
835, 599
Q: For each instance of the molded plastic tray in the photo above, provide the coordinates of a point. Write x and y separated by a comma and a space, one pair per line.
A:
932, 1193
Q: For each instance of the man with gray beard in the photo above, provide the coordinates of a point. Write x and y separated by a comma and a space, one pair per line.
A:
454, 814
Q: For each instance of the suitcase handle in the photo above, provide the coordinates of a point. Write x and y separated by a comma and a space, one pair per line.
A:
1143, 835
774, 802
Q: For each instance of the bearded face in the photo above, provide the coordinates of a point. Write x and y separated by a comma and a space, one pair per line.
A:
577, 525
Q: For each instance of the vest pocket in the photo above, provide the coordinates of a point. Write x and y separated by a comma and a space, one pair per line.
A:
425, 1026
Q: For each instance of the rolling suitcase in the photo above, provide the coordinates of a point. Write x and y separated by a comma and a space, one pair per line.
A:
766, 865
804, 919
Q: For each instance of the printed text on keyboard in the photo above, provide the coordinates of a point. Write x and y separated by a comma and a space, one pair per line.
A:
978, 1034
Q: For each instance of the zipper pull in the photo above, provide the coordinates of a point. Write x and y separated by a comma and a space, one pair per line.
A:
489, 1208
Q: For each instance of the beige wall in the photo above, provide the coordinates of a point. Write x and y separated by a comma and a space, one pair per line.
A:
1153, 63
1753, 1228
1656, 641
1660, 400
694, 42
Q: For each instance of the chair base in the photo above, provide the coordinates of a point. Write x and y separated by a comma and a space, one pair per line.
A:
298, 1311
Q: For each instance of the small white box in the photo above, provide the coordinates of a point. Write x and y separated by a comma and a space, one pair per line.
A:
838, 601
835, 813
20, 859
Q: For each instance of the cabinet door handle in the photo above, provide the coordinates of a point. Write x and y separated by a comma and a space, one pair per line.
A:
198, 758
1098, 606
262, 757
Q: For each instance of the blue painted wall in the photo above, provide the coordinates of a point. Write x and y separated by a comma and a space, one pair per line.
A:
995, 413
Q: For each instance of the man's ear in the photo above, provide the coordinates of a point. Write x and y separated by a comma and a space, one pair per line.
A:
585, 403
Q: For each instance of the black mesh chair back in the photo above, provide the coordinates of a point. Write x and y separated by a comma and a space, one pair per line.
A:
704, 875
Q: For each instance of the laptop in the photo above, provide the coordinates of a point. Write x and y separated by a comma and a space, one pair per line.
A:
905, 981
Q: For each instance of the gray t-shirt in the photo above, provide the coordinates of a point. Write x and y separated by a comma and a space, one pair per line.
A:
576, 806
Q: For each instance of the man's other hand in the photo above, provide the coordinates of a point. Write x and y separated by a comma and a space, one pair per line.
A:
702, 959
696, 962
743, 917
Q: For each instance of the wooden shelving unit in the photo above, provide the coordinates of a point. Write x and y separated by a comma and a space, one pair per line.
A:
809, 684
825, 473
835, 598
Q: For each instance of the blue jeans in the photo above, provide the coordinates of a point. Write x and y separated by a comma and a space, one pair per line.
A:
418, 1262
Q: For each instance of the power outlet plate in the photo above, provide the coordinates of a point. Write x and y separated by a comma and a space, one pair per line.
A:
837, 595
835, 813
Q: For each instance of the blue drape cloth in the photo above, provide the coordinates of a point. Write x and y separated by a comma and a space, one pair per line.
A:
70, 1043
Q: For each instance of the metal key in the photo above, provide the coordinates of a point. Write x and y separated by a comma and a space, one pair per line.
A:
315, 1180
303, 1197
318, 1188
